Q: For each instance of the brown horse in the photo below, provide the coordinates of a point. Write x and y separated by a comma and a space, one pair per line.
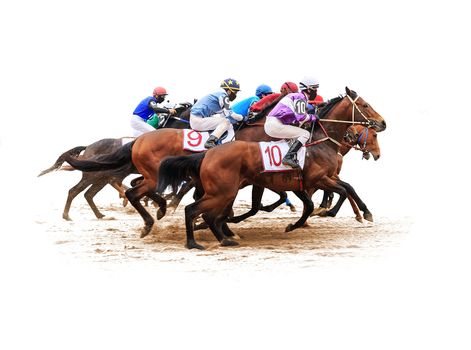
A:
145, 155
221, 171
365, 140
357, 137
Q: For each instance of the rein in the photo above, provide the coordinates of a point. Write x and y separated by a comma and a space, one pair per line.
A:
353, 122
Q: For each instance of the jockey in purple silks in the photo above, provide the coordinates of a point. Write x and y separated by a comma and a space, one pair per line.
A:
289, 114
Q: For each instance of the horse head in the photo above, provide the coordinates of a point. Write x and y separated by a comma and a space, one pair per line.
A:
360, 106
368, 142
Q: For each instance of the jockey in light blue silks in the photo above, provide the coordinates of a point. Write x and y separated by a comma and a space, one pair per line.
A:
289, 114
212, 112
243, 107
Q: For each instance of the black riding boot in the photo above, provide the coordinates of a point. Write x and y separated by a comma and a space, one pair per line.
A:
290, 157
212, 142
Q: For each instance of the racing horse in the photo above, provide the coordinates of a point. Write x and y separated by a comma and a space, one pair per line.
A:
221, 171
364, 140
357, 137
145, 154
97, 180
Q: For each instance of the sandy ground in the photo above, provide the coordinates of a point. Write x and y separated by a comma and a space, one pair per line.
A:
113, 242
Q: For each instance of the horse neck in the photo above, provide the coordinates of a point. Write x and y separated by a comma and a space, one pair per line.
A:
334, 130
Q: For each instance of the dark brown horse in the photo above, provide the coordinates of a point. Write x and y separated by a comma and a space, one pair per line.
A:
365, 140
145, 155
99, 179
221, 171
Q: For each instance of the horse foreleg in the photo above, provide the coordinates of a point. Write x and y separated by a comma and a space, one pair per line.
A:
273, 206
308, 208
355, 209
118, 186
361, 205
90, 193
333, 185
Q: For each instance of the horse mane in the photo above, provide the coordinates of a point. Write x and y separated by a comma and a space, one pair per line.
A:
330, 104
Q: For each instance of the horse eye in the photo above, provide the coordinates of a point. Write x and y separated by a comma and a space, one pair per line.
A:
366, 105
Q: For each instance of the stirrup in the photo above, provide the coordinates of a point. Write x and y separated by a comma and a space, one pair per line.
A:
211, 142
290, 162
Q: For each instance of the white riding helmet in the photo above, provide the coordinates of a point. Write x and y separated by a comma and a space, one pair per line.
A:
308, 82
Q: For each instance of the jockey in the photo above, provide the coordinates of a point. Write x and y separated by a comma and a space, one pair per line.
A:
243, 106
268, 100
292, 110
146, 108
212, 112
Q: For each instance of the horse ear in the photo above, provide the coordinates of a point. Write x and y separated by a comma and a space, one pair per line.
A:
347, 90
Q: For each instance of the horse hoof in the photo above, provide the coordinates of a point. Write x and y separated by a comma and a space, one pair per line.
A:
319, 212
368, 216
228, 243
292, 208
194, 245
145, 231
289, 228
160, 213
329, 213
125, 202
66, 217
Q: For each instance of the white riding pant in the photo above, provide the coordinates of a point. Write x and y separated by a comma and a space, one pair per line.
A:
275, 128
217, 122
139, 126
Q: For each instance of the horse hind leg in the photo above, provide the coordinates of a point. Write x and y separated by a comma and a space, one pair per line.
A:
191, 212
134, 196
90, 193
73, 192
162, 203
308, 208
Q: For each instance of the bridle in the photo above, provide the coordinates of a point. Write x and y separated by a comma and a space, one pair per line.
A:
367, 123
352, 122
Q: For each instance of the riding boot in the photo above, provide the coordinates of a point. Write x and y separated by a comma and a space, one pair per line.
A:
290, 157
212, 142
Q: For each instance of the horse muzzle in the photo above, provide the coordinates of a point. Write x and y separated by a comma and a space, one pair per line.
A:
377, 126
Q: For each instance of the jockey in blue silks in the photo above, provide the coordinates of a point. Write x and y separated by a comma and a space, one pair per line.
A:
212, 112
242, 107
146, 109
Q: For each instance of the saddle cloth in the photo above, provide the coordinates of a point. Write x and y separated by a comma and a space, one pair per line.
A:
273, 152
194, 140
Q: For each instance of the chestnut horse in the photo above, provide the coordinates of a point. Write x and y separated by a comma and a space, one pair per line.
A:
364, 140
145, 153
357, 137
221, 171
99, 179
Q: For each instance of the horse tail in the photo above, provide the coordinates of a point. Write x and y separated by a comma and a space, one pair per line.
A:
74, 152
174, 170
117, 159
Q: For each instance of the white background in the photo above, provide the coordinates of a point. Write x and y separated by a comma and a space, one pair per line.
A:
72, 73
